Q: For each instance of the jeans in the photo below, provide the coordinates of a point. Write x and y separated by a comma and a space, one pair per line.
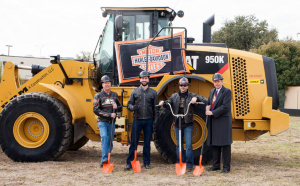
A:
187, 155
105, 133
146, 125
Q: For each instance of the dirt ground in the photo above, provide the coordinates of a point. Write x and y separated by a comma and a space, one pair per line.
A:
269, 160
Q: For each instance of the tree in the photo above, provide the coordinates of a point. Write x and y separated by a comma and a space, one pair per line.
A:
85, 56
245, 33
287, 56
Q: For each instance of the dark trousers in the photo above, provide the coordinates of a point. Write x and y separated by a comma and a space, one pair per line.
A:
146, 125
226, 156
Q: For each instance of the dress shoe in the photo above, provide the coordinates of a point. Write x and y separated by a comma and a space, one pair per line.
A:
127, 167
147, 166
189, 169
213, 169
225, 171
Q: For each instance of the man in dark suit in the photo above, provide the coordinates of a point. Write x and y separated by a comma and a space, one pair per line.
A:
219, 124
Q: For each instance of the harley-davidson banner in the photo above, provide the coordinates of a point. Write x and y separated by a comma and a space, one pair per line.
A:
131, 57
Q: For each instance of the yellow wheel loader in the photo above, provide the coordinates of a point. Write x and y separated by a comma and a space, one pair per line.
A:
53, 111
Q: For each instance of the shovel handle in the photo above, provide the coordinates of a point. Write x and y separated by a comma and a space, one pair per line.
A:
108, 158
180, 160
135, 154
203, 136
111, 132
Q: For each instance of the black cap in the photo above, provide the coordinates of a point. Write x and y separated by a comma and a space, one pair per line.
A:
105, 78
217, 76
183, 81
144, 74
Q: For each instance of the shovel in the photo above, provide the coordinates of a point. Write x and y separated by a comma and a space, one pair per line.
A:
199, 169
107, 167
180, 167
136, 166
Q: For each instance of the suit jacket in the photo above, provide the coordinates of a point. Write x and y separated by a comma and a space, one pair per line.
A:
220, 123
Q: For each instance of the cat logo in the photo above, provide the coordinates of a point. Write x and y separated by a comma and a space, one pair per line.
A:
156, 58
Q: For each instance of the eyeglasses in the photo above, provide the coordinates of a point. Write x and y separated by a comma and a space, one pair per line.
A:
183, 85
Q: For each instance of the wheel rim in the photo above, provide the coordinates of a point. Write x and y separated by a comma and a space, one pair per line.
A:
198, 131
31, 130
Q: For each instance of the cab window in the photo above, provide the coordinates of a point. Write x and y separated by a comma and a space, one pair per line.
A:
106, 49
136, 27
164, 23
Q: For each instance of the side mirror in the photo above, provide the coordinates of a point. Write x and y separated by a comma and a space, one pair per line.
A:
119, 23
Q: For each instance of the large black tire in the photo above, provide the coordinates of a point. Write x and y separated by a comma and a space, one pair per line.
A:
35, 127
80, 143
164, 138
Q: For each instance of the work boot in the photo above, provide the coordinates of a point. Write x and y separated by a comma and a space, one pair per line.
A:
127, 168
101, 165
147, 166
105, 162
189, 169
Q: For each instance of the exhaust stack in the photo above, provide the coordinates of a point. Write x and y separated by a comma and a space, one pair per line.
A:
207, 29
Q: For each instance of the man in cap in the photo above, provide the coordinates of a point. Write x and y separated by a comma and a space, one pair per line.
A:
142, 101
220, 124
179, 102
106, 104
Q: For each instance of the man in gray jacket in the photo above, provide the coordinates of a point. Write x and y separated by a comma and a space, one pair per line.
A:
220, 124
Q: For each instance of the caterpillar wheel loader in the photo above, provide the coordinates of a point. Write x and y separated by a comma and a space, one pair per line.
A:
53, 111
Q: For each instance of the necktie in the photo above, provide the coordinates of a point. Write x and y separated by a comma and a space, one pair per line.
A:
214, 99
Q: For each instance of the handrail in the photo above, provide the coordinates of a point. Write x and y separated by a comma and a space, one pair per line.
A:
185, 44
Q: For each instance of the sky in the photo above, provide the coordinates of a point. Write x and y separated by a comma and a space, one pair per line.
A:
41, 28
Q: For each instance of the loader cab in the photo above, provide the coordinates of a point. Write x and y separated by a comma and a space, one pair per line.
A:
127, 24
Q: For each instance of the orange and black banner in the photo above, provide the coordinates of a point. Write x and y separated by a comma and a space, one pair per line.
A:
162, 59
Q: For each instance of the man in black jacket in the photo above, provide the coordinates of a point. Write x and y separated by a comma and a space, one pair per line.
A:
179, 102
104, 103
142, 101
220, 124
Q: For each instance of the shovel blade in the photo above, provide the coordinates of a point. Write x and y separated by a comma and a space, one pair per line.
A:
107, 168
136, 166
180, 168
198, 170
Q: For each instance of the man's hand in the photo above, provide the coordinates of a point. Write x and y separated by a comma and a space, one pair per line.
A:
194, 100
161, 103
133, 107
208, 107
113, 115
209, 113
114, 106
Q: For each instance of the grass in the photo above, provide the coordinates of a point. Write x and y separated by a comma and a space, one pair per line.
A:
269, 160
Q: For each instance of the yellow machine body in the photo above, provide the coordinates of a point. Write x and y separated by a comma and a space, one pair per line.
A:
244, 73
